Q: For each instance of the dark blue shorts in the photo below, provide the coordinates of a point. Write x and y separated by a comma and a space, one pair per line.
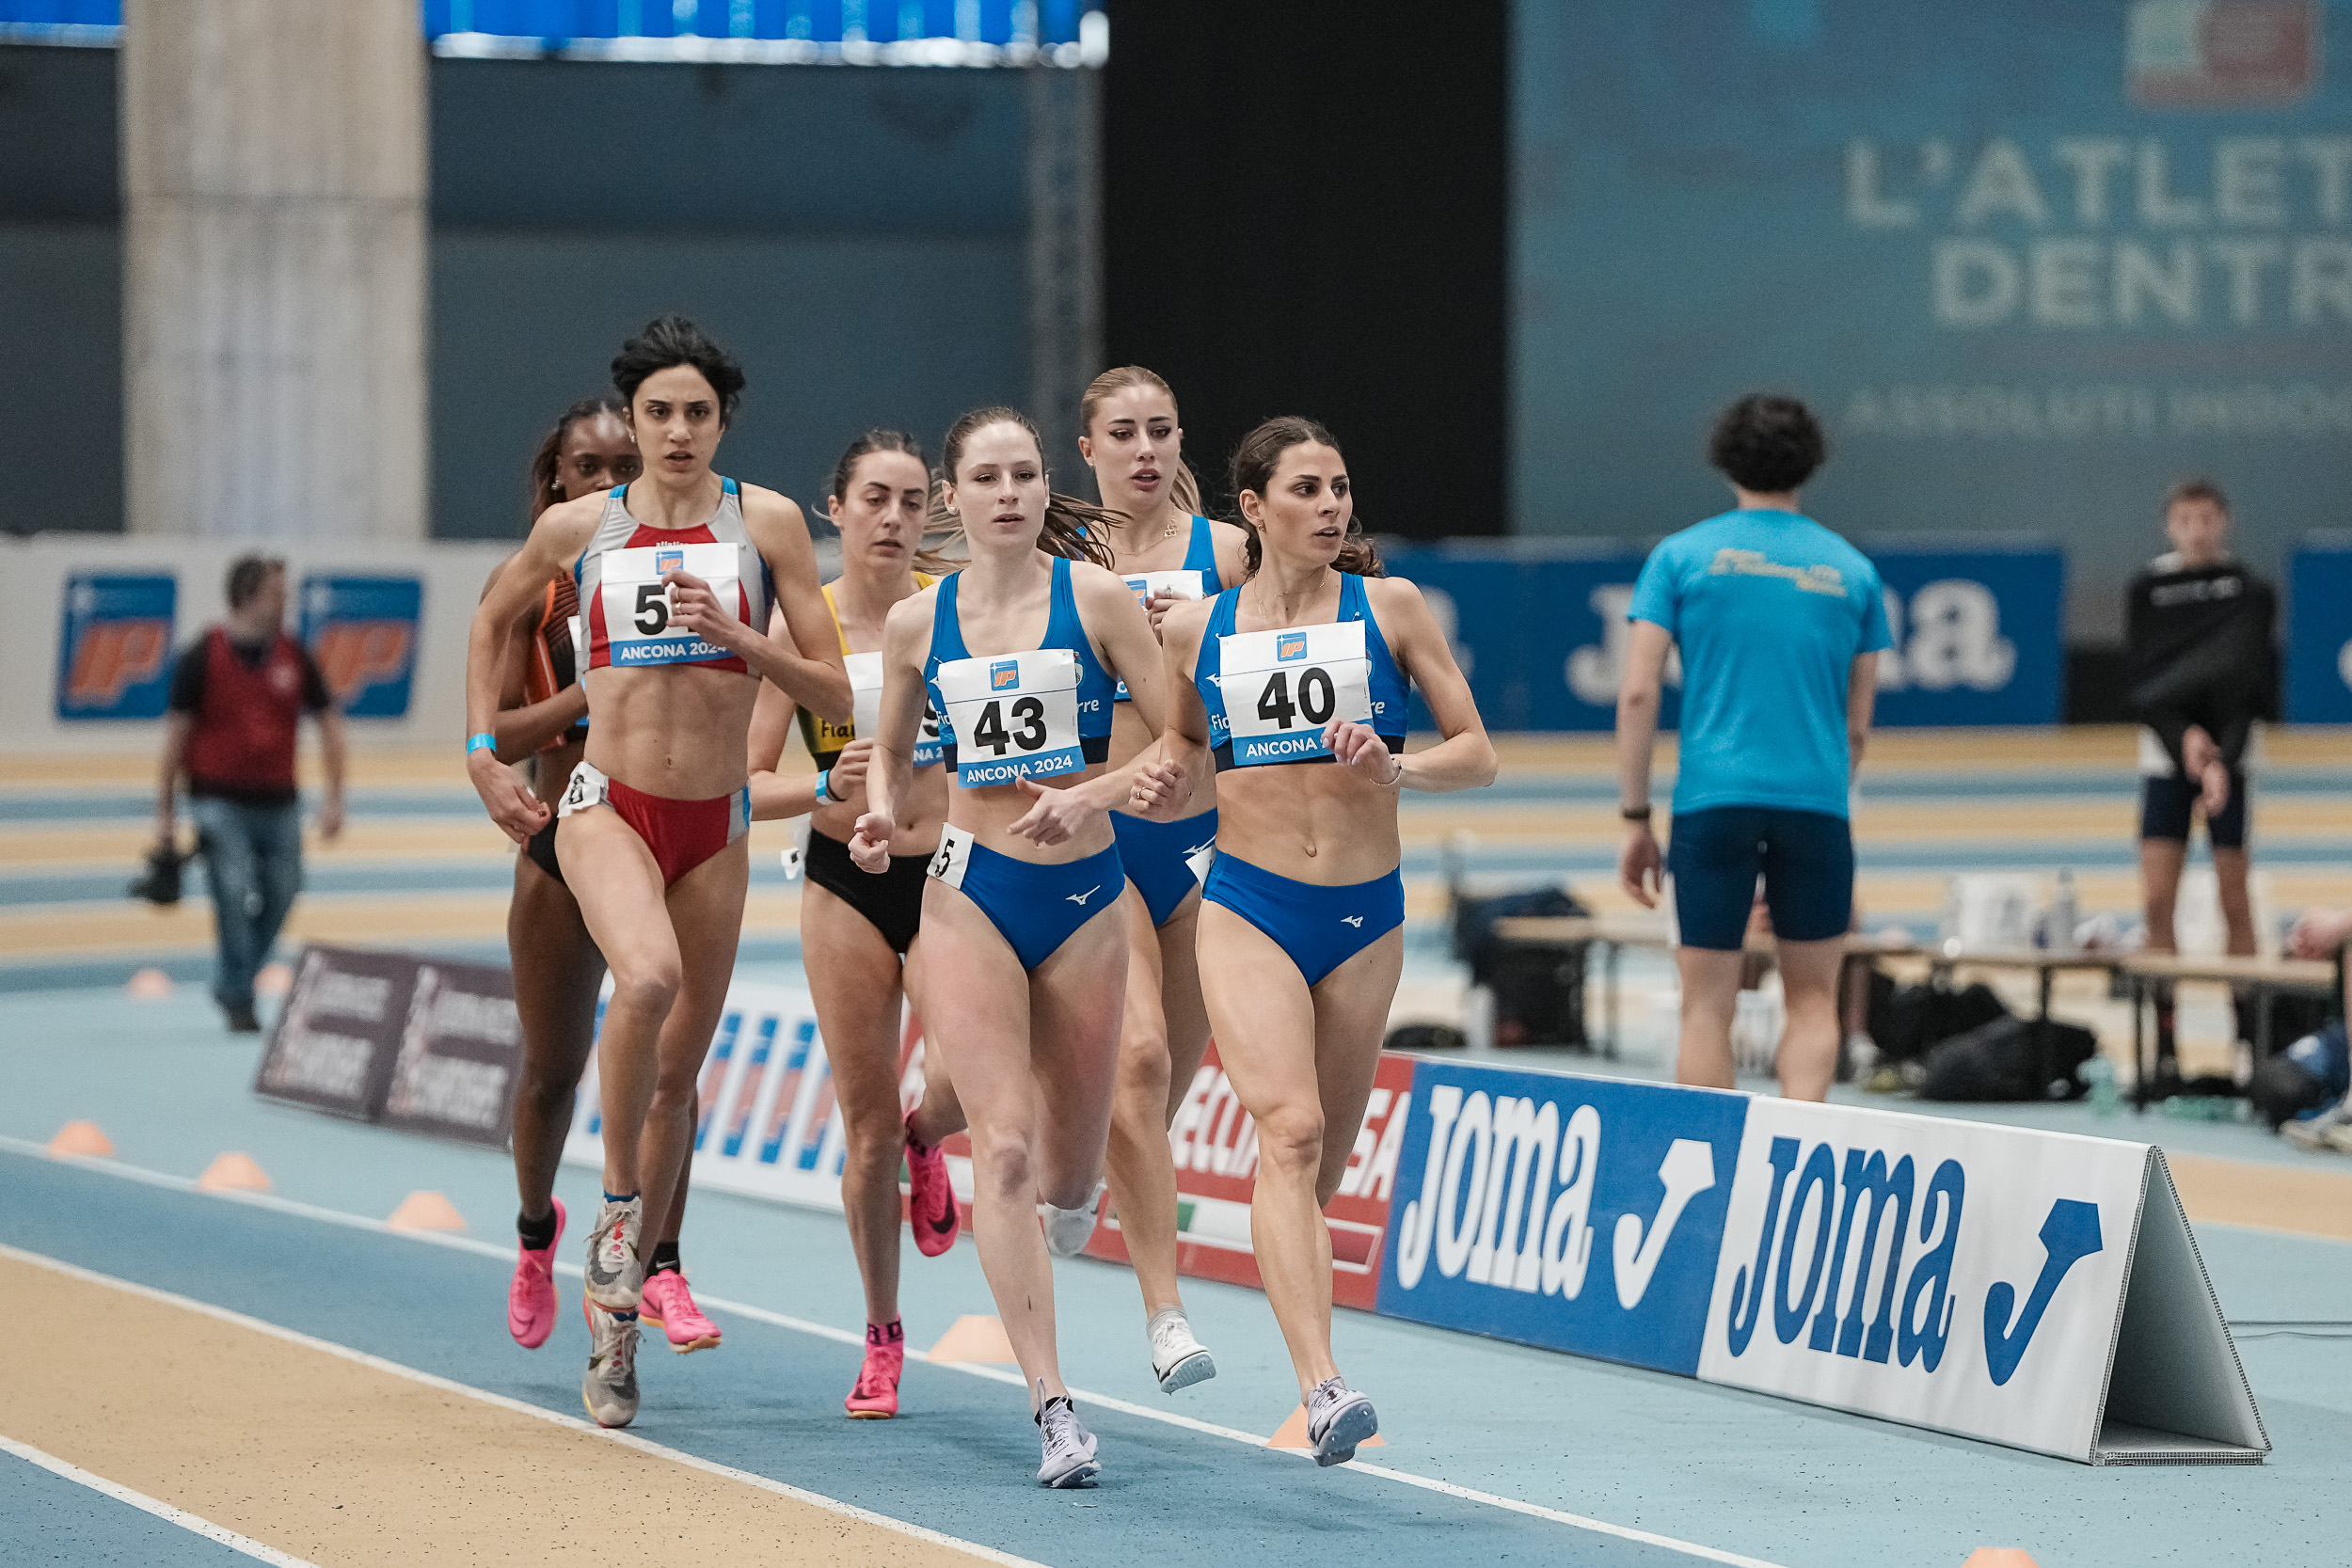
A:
1715, 856
2166, 805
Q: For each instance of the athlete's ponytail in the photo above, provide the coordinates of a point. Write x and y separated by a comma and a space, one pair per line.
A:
1253, 469
1185, 490
1072, 527
546, 464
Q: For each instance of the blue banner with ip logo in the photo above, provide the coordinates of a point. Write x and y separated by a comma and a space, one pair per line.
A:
362, 631
2319, 632
1540, 631
114, 645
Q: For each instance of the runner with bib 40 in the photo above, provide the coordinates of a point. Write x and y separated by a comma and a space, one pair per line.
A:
675, 572
1295, 681
1024, 955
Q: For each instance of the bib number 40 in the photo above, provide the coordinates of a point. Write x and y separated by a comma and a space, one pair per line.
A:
1317, 698
1028, 731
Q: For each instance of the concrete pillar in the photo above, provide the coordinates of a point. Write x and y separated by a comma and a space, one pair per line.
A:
274, 268
1065, 258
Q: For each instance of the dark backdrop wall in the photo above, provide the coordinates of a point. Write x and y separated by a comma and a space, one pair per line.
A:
1303, 214
855, 237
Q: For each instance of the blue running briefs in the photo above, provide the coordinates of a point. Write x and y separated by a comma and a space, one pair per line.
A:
1320, 928
1158, 857
1034, 908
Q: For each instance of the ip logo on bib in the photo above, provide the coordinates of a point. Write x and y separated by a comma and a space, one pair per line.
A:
1004, 676
668, 561
1291, 645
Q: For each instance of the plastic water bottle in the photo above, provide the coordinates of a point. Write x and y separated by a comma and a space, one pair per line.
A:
2100, 1074
2065, 914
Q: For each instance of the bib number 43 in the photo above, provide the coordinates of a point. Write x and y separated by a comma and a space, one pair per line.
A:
1028, 726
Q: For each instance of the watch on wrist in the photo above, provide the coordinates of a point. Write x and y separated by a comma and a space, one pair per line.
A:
1634, 814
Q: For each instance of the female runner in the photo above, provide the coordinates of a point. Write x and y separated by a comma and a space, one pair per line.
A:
1296, 681
1167, 555
542, 716
676, 571
857, 931
1023, 959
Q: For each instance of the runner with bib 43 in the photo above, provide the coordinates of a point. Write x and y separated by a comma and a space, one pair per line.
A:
675, 574
1024, 952
1295, 681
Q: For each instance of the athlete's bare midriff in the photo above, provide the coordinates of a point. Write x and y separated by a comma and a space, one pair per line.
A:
926, 796
676, 730
1310, 821
989, 812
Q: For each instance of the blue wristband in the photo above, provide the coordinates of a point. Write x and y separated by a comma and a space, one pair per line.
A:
821, 780
484, 742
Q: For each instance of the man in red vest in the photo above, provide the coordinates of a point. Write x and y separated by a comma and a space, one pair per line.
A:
237, 698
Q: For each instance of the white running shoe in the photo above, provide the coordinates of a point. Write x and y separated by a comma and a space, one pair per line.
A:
1068, 1447
608, 1388
1338, 1418
616, 1272
1178, 1359
1067, 1231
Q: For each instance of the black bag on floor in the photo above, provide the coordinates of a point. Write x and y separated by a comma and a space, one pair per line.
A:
1538, 992
1918, 1016
2010, 1059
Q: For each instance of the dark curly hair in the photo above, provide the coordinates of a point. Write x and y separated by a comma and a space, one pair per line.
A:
1767, 443
672, 340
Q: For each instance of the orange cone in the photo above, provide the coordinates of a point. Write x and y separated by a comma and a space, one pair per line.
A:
975, 1338
1293, 1435
1999, 1557
276, 979
149, 985
426, 1210
81, 1137
233, 1172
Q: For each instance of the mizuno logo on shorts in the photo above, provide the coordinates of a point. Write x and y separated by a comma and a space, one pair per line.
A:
1354, 920
1205, 844
1080, 898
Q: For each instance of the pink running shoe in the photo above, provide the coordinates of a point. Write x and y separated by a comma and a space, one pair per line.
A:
876, 1396
669, 1307
932, 1206
530, 1306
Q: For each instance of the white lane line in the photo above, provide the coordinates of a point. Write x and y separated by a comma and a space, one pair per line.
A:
994, 1374
163, 1511
571, 1424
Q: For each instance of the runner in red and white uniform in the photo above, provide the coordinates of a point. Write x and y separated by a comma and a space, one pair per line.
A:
543, 719
858, 931
676, 573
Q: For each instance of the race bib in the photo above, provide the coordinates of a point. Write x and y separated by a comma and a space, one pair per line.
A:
1014, 716
948, 861
637, 608
1182, 585
588, 787
866, 685
1281, 688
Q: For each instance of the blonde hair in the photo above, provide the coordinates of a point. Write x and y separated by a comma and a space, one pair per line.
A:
1185, 492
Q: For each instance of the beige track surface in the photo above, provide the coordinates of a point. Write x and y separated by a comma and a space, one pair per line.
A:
2265, 1198
342, 1464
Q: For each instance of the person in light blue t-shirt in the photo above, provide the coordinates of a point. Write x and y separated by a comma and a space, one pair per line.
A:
1780, 622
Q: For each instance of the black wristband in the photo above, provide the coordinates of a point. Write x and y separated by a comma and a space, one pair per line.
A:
1634, 814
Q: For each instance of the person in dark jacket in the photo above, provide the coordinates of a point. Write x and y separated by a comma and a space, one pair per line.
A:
238, 694
2198, 644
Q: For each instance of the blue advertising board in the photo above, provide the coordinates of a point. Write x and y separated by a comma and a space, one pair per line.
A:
1584, 1214
114, 645
2030, 262
362, 631
2319, 634
1542, 633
